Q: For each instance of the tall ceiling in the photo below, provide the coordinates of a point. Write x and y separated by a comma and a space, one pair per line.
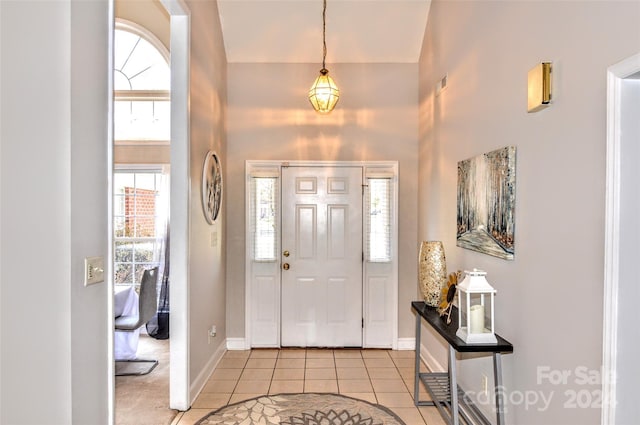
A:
290, 31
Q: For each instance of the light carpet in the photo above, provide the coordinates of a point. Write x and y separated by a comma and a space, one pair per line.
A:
302, 409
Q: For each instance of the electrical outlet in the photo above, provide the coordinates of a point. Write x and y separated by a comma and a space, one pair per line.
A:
485, 385
211, 333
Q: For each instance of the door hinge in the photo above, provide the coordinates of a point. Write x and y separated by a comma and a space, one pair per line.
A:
363, 323
363, 186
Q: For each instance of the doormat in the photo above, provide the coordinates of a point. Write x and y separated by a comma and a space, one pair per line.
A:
303, 409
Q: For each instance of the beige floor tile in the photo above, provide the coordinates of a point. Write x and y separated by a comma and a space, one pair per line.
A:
232, 363
290, 363
250, 387
375, 354
319, 353
320, 373
383, 373
402, 354
379, 362
352, 373
314, 363
355, 386
226, 374
389, 386
431, 416
395, 399
192, 416
288, 374
256, 374
354, 362
264, 353
410, 415
219, 386
348, 353
177, 418
211, 400
261, 363
321, 386
236, 398
278, 387
370, 397
292, 353
237, 354
410, 383
404, 362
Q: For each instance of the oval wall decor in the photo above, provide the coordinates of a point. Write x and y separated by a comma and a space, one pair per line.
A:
211, 186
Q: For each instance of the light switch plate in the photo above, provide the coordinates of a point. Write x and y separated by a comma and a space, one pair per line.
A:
93, 270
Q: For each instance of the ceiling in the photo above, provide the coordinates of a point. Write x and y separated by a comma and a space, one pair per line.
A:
290, 31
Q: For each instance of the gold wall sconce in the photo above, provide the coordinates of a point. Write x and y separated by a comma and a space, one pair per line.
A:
539, 87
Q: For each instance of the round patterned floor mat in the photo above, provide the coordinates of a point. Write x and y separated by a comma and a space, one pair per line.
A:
302, 409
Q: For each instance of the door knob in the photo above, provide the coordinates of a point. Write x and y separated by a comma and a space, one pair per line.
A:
286, 253
285, 266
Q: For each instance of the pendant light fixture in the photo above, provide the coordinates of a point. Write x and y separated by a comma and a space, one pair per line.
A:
324, 93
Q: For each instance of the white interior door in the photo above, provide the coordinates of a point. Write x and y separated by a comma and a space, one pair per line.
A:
321, 257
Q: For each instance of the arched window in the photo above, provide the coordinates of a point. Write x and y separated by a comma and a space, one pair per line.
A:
142, 82
142, 121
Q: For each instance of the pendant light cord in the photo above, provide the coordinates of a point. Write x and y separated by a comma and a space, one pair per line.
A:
324, 33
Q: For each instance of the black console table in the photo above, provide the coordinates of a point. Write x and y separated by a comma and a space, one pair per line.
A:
455, 405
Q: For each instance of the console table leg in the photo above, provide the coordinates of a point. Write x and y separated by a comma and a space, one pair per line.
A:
416, 388
497, 377
453, 386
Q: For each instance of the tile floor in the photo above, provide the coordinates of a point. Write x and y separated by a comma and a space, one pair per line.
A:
378, 376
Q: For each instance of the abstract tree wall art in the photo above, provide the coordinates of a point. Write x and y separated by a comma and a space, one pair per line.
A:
486, 203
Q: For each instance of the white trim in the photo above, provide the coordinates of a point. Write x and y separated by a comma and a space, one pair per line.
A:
111, 379
406, 344
369, 168
430, 361
139, 30
179, 368
205, 374
615, 74
234, 344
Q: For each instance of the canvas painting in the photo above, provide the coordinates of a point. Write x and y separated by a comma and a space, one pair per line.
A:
486, 203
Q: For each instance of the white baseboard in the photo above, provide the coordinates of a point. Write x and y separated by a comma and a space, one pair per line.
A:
430, 361
236, 344
205, 374
406, 343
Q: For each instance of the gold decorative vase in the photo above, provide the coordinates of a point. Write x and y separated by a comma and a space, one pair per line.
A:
432, 271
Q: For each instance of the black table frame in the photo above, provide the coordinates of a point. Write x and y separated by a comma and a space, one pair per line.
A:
439, 385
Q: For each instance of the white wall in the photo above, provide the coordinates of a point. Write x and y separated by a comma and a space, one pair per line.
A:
207, 276
628, 368
549, 302
271, 118
54, 210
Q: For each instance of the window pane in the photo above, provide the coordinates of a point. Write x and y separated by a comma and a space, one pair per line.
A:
379, 220
264, 213
134, 222
123, 273
138, 65
142, 120
144, 252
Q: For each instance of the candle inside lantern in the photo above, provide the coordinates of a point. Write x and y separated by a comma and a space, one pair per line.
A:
476, 321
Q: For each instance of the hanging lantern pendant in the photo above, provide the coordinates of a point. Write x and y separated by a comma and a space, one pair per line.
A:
324, 92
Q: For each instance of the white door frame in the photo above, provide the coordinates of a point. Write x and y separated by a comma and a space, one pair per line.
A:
179, 397
615, 75
180, 33
392, 298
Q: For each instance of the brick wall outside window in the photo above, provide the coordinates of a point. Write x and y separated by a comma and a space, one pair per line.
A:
139, 212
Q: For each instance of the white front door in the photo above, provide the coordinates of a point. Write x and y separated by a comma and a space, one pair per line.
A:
321, 257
